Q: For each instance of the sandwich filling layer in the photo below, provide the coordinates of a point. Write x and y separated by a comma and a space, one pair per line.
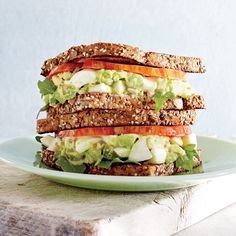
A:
66, 85
104, 151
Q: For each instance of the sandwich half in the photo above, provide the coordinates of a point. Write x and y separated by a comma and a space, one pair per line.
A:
114, 109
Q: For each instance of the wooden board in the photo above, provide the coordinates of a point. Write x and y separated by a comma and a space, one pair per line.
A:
31, 205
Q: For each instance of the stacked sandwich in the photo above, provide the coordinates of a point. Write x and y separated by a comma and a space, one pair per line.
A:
114, 109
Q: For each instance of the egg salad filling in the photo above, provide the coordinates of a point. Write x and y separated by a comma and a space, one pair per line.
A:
104, 151
67, 85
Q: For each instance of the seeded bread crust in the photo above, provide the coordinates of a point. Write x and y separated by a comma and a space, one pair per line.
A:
99, 118
125, 103
124, 54
146, 169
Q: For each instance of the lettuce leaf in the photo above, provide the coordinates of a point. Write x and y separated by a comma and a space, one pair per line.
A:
108, 152
93, 155
38, 138
38, 159
68, 167
44, 108
160, 99
46, 87
187, 161
108, 163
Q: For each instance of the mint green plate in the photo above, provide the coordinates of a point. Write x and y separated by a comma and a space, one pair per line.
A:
219, 158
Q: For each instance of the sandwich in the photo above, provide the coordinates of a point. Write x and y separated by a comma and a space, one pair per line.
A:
113, 109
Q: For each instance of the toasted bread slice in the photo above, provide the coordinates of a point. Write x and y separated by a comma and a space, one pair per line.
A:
125, 103
145, 169
122, 53
100, 117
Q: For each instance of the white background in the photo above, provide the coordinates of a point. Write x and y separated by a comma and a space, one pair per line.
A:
32, 31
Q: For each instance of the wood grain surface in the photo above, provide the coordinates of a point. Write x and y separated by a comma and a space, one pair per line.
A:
31, 205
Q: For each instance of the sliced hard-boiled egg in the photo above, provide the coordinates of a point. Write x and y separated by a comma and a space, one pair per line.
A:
176, 140
84, 144
190, 139
122, 152
50, 142
53, 145
149, 85
100, 88
159, 155
82, 77
140, 151
47, 140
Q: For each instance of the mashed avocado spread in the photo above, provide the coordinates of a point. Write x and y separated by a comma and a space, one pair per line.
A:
65, 86
103, 151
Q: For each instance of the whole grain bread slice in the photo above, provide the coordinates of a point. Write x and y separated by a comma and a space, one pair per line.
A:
125, 103
123, 53
145, 169
102, 117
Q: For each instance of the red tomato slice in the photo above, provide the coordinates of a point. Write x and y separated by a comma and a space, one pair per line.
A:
143, 70
169, 131
70, 67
